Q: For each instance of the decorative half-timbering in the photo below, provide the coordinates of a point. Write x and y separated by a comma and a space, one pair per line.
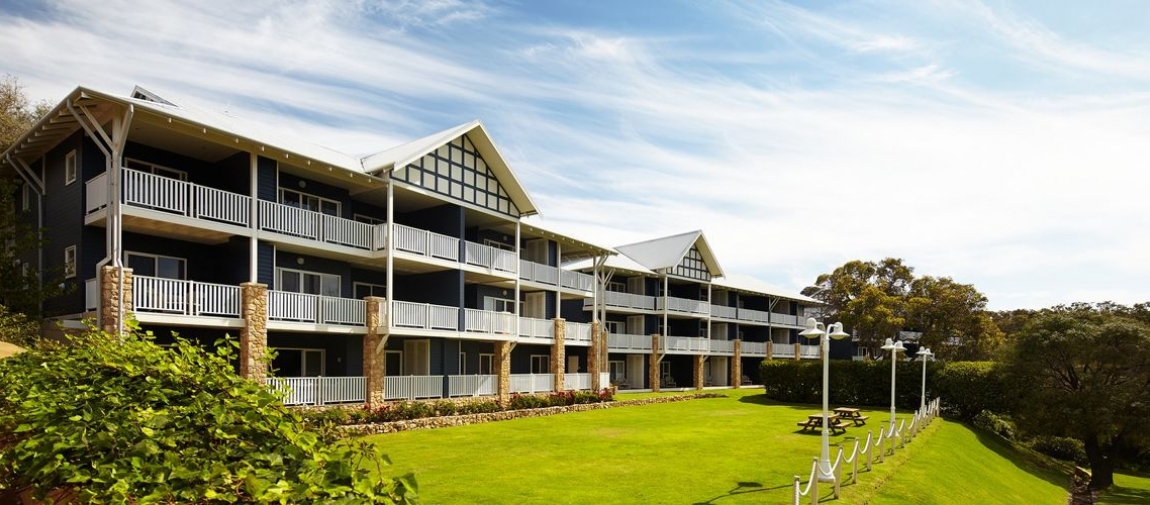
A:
692, 266
457, 171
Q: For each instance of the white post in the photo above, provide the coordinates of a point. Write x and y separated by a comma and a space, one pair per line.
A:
825, 473
893, 361
922, 398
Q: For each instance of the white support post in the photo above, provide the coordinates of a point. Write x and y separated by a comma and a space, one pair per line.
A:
253, 242
390, 288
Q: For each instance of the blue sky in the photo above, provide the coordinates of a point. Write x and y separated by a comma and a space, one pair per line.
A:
1003, 144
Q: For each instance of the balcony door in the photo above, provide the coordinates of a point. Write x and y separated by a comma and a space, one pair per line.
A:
152, 265
416, 357
296, 362
312, 283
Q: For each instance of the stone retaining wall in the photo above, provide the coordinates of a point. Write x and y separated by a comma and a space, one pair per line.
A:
445, 421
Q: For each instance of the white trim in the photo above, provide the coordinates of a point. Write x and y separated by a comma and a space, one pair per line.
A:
303, 360
543, 358
25, 197
70, 165
356, 284
490, 359
321, 275
364, 218
154, 167
398, 353
156, 265
70, 264
319, 200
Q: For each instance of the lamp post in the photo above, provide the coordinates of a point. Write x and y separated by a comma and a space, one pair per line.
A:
894, 348
815, 329
925, 354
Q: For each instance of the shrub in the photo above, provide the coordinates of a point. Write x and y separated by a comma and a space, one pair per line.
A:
999, 425
1066, 449
121, 420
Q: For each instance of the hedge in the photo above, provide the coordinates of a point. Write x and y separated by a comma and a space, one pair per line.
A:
966, 388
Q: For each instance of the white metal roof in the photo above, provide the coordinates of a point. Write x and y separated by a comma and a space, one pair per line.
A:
534, 224
668, 252
617, 262
741, 282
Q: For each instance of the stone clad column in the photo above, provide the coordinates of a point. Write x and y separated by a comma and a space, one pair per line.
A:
374, 362
502, 367
254, 334
798, 351
698, 360
653, 370
595, 356
770, 351
110, 298
736, 367
559, 354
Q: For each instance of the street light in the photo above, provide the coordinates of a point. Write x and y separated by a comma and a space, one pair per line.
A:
925, 354
894, 348
815, 329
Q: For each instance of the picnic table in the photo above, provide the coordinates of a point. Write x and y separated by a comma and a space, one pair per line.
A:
851, 414
814, 422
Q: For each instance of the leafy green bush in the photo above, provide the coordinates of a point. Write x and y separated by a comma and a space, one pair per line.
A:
1066, 449
123, 420
966, 388
999, 425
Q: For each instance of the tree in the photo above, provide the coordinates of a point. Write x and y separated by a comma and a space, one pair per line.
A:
1086, 375
19, 235
877, 300
123, 420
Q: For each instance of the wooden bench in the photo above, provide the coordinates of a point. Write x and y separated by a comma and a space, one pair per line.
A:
815, 423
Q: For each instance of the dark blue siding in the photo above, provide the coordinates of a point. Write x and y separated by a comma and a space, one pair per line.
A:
440, 288
445, 219
265, 254
316, 188
267, 171
63, 220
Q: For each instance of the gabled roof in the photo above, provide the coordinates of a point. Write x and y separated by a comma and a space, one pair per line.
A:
402, 155
535, 225
668, 252
739, 282
617, 262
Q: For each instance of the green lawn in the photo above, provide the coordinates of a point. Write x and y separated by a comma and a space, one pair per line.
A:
1128, 489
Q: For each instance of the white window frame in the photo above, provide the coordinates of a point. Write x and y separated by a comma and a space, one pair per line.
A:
25, 197
498, 245
70, 168
615, 327
319, 201
397, 353
70, 262
494, 301
303, 359
280, 285
355, 287
462, 363
155, 169
541, 361
155, 258
364, 218
617, 287
622, 367
488, 359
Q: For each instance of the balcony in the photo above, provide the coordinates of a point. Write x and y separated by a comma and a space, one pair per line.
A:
187, 298
619, 300
426, 316
484, 321
684, 306
171, 196
317, 309
530, 327
685, 344
784, 319
754, 349
754, 316
625, 342
554, 276
320, 227
722, 347
724, 312
490, 257
578, 333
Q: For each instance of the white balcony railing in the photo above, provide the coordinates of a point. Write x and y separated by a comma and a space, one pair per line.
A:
536, 272
318, 390
412, 386
809, 352
722, 346
174, 296
321, 227
754, 349
724, 312
490, 257
578, 332
426, 243
684, 305
425, 316
625, 300
530, 327
782, 350
485, 321
576, 280
166, 194
307, 308
624, 342
576, 381
757, 316
685, 344
96, 193
471, 385
784, 319
531, 383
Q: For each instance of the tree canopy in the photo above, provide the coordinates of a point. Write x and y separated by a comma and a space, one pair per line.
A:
877, 300
1086, 371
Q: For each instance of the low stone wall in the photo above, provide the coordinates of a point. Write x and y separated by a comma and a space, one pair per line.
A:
445, 421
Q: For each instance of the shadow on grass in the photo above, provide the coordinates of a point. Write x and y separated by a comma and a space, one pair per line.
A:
1119, 495
742, 488
1026, 462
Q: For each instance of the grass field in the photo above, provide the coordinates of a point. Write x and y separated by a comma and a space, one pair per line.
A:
737, 449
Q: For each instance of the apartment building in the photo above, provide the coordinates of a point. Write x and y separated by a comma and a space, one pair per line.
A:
410, 273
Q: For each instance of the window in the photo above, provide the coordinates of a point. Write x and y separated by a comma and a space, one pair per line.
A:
70, 167
25, 197
494, 304
618, 371
485, 364
363, 290
309, 202
498, 245
462, 363
703, 329
299, 362
69, 262
666, 369
363, 218
154, 169
617, 287
540, 363
151, 265
615, 327
298, 281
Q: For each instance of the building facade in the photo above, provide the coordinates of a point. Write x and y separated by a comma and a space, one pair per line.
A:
415, 272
